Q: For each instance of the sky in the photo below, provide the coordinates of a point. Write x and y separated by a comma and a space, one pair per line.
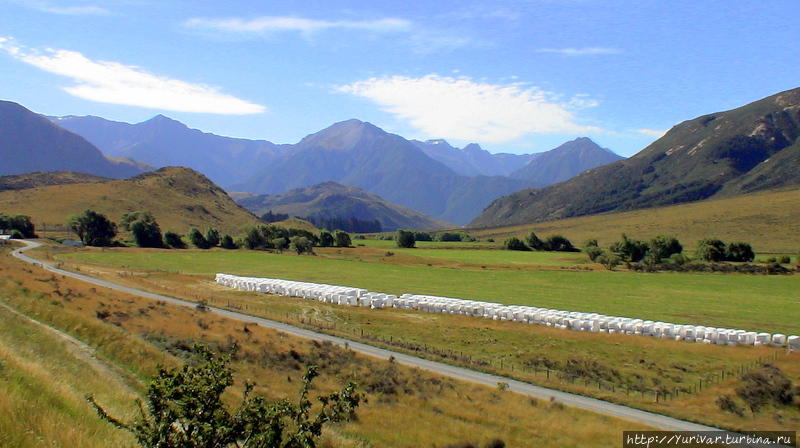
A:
512, 75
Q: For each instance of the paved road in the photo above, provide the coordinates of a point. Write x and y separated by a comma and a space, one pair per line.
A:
459, 373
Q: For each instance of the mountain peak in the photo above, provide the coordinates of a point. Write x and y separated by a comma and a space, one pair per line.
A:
163, 120
343, 135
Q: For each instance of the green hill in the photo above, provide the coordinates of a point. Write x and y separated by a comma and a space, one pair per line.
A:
752, 148
332, 200
179, 198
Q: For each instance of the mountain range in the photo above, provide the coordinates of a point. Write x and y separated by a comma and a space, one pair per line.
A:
30, 142
332, 200
472, 160
564, 162
754, 147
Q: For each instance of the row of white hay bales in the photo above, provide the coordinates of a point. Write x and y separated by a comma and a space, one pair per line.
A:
570, 320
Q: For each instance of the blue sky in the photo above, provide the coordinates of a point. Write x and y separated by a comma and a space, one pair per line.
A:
515, 76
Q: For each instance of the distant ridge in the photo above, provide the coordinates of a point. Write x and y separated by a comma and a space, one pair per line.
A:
334, 200
752, 148
29, 142
565, 162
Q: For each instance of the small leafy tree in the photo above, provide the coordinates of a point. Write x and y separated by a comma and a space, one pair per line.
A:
280, 244
146, 233
559, 243
739, 251
212, 237
228, 243
422, 236
515, 243
20, 223
609, 260
197, 239
342, 238
326, 239
93, 228
534, 242
629, 250
405, 238
301, 245
711, 249
593, 252
664, 246
127, 220
254, 239
185, 409
173, 240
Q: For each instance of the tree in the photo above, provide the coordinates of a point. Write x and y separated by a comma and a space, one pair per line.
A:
326, 238
534, 242
449, 237
405, 238
146, 234
514, 243
711, 250
422, 236
185, 409
93, 228
559, 243
342, 238
739, 251
127, 220
593, 252
629, 250
212, 237
664, 246
609, 260
254, 239
20, 223
301, 245
173, 240
228, 243
197, 239
280, 244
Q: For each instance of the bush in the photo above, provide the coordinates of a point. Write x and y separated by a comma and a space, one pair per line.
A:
212, 237
191, 397
173, 240
558, 243
785, 259
325, 238
93, 228
766, 386
629, 250
679, 259
664, 246
711, 249
301, 245
609, 260
514, 243
728, 404
405, 238
280, 244
228, 243
593, 252
422, 236
448, 237
16, 235
772, 260
591, 243
739, 251
146, 233
342, 238
197, 239
535, 243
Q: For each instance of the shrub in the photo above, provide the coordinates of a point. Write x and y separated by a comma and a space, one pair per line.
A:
679, 259
514, 243
593, 252
764, 386
173, 240
405, 238
16, 235
664, 246
422, 236
728, 404
342, 238
711, 249
558, 243
772, 260
591, 243
255, 239
212, 237
535, 243
490, 240
448, 237
147, 233
280, 244
785, 259
228, 243
325, 238
93, 228
629, 250
197, 239
739, 251
301, 245
609, 260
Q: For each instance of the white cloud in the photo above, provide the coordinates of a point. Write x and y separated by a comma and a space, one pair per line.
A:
274, 24
463, 109
585, 51
116, 83
654, 133
70, 10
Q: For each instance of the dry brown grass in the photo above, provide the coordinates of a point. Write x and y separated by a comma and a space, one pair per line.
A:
427, 410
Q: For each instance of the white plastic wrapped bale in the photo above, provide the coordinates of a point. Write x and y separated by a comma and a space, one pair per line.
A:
762, 339
778, 340
793, 342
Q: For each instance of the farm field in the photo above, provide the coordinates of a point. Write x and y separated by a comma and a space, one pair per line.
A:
402, 408
767, 220
613, 367
750, 302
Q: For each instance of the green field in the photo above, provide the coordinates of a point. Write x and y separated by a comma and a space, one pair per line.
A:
752, 302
